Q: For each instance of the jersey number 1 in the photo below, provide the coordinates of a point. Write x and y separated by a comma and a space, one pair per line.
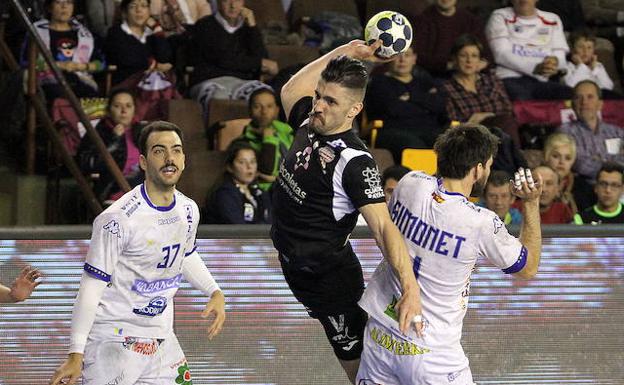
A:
167, 253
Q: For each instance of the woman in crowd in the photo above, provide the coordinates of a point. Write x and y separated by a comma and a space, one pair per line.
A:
120, 133
239, 200
560, 154
475, 96
73, 47
137, 45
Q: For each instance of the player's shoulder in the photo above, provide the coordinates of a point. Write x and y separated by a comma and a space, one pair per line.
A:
185, 201
506, 13
124, 207
418, 178
483, 218
549, 18
348, 146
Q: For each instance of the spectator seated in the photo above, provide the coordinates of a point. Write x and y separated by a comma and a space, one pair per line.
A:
120, 132
435, 33
596, 141
609, 188
497, 197
73, 47
584, 64
269, 137
560, 155
228, 55
239, 199
411, 108
529, 49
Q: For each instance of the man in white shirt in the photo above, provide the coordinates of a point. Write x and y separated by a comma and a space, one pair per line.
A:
529, 49
445, 234
141, 248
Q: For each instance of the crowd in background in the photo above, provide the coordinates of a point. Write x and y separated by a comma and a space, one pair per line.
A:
465, 65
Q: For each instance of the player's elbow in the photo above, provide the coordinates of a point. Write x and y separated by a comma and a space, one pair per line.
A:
529, 271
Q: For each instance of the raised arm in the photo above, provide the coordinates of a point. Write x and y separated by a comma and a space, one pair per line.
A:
530, 230
393, 247
303, 83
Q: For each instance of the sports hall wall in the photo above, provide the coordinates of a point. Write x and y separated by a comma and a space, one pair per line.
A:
564, 327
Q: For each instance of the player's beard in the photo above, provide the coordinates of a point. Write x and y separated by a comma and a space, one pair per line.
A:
479, 187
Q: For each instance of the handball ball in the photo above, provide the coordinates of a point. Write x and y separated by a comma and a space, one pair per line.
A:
393, 29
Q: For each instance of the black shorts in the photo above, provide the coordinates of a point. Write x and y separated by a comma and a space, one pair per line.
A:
331, 297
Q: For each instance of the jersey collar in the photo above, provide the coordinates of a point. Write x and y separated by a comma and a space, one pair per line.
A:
443, 190
150, 204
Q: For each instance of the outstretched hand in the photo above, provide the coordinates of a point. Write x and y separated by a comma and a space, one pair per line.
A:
215, 306
25, 283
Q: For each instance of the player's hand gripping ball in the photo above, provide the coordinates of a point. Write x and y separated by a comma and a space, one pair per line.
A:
393, 29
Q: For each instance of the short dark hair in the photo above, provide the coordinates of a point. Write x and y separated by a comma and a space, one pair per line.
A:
593, 83
611, 167
157, 126
497, 178
395, 172
583, 33
463, 147
466, 40
114, 94
125, 3
234, 148
260, 91
47, 13
347, 72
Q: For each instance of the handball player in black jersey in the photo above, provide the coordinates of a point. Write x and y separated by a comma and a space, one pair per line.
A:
327, 178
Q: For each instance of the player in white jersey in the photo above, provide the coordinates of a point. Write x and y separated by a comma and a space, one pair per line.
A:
141, 248
529, 49
445, 234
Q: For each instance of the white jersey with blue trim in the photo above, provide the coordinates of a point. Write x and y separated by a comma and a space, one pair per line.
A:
138, 248
445, 235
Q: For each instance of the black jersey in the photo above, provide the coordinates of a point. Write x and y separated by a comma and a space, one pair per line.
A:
593, 215
322, 181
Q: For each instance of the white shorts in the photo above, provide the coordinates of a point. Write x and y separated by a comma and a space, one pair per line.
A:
135, 361
390, 359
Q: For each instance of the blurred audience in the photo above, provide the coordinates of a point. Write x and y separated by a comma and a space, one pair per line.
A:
435, 32
411, 108
529, 49
560, 154
569, 11
175, 16
390, 179
101, 15
239, 199
607, 18
596, 141
584, 64
269, 137
552, 210
73, 47
120, 133
497, 197
137, 45
609, 187
228, 54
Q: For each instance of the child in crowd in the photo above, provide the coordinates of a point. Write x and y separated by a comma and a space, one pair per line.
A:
584, 64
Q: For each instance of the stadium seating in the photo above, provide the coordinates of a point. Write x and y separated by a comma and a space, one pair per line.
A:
420, 159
